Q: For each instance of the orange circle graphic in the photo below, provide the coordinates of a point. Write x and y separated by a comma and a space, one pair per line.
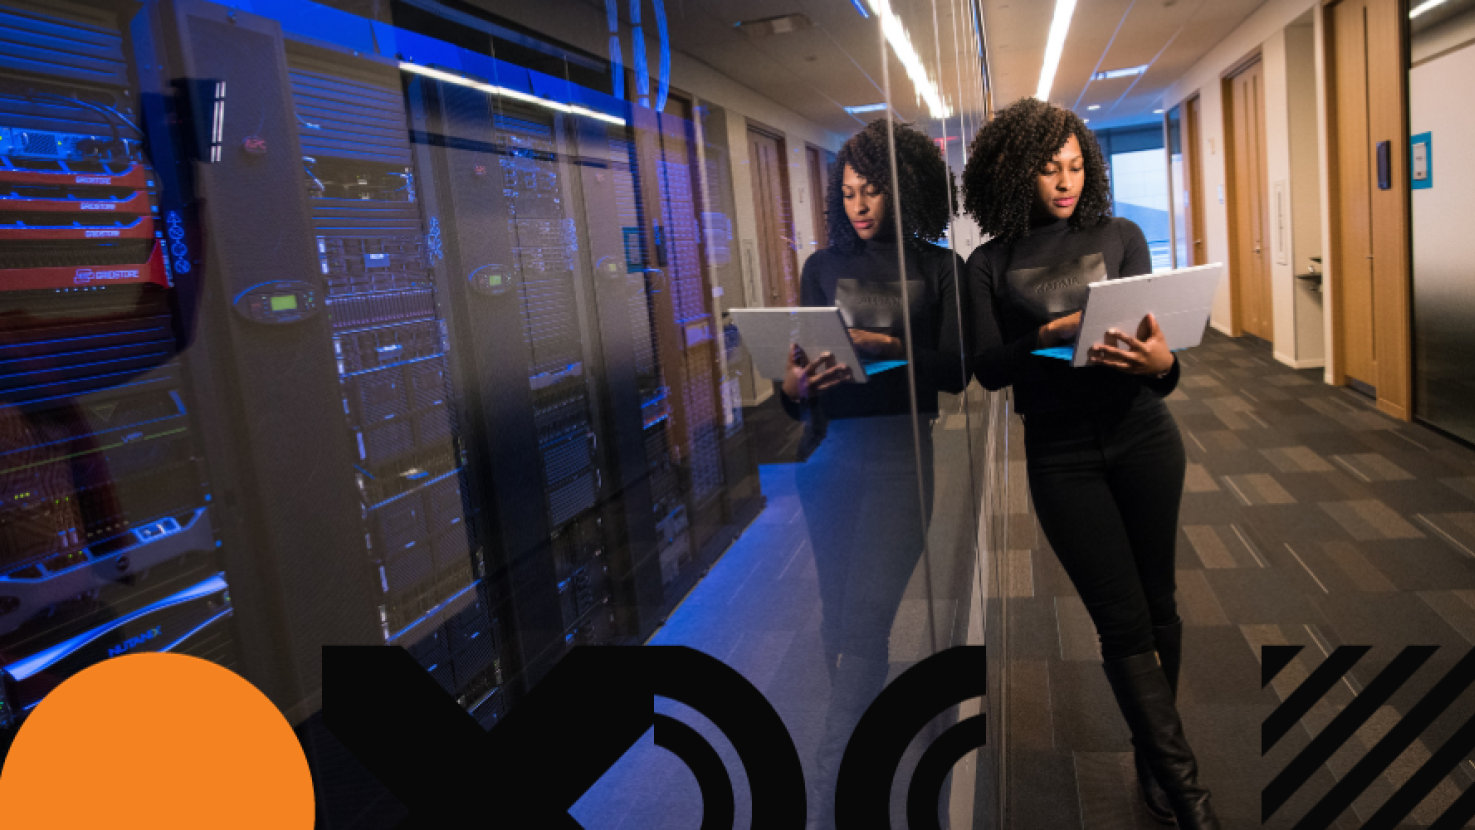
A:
157, 741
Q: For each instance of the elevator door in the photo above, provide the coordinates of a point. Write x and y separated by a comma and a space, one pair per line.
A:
1251, 272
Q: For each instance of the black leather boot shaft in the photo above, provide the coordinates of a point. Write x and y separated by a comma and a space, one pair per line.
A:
1146, 700
1169, 642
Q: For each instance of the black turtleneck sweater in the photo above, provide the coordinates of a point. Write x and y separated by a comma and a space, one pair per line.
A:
1016, 288
864, 285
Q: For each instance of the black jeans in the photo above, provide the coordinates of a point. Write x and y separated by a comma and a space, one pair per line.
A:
1107, 488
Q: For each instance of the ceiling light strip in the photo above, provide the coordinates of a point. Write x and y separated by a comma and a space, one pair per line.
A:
901, 44
1055, 46
452, 78
1423, 7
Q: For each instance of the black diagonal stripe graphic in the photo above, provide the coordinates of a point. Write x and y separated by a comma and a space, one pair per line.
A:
1380, 757
1423, 782
1315, 687
1273, 659
1341, 728
1459, 813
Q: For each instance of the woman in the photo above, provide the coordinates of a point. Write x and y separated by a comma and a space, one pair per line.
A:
1104, 457
858, 483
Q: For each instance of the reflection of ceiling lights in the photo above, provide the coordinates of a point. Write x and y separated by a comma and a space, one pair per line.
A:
1094, 107
1119, 73
1423, 7
865, 108
1055, 46
774, 25
452, 78
901, 44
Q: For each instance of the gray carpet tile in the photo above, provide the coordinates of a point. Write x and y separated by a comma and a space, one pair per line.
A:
1308, 518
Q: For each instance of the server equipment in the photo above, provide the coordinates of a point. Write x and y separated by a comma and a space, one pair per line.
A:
512, 252
106, 538
392, 352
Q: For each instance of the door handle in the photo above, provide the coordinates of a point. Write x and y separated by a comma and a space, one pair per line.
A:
1257, 249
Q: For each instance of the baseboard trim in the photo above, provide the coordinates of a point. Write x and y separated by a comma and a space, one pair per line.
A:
1309, 363
1221, 328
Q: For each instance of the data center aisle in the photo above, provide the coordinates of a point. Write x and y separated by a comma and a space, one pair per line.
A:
1309, 518
759, 611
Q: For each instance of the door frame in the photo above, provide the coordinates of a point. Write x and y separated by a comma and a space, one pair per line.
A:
787, 202
1392, 212
1232, 195
1194, 171
818, 197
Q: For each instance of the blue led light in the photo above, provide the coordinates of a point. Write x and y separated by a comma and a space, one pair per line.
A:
432, 612
860, 8
197, 629
42, 660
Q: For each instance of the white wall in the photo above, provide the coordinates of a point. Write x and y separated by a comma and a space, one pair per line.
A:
1305, 193
1277, 194
1264, 30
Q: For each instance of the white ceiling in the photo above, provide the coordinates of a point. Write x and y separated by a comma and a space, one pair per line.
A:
817, 71
1167, 35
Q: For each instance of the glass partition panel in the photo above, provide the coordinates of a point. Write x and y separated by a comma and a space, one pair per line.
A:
502, 333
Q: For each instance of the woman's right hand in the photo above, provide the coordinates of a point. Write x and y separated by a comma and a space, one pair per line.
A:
1063, 330
804, 377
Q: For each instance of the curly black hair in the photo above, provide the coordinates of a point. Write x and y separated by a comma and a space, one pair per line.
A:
999, 181
928, 193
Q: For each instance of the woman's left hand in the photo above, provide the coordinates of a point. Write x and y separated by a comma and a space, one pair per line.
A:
1145, 354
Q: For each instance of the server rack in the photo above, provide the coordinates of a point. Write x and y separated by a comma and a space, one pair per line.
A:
457, 381
510, 246
107, 544
393, 356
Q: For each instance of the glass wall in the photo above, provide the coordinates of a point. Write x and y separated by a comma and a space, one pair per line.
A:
1441, 58
1139, 185
432, 326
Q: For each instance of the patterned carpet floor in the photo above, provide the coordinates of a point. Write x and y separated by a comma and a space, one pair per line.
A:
1309, 518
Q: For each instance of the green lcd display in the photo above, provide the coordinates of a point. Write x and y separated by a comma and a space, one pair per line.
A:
284, 302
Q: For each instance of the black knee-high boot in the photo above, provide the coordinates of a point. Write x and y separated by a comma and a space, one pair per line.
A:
1169, 641
1146, 700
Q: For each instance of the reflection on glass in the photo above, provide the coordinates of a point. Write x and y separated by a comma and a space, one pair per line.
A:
859, 478
402, 324
1444, 299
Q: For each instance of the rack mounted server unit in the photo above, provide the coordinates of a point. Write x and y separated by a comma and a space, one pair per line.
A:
106, 539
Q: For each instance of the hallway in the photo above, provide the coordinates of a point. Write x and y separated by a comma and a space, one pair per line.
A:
1309, 518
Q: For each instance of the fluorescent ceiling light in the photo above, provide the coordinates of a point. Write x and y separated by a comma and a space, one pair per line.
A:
1423, 7
901, 44
452, 78
865, 108
1094, 107
1055, 46
1157, 112
1119, 73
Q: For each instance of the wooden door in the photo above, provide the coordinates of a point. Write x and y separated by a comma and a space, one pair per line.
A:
1351, 195
1196, 255
1250, 266
775, 230
819, 182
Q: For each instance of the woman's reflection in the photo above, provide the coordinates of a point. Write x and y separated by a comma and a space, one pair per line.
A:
858, 486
